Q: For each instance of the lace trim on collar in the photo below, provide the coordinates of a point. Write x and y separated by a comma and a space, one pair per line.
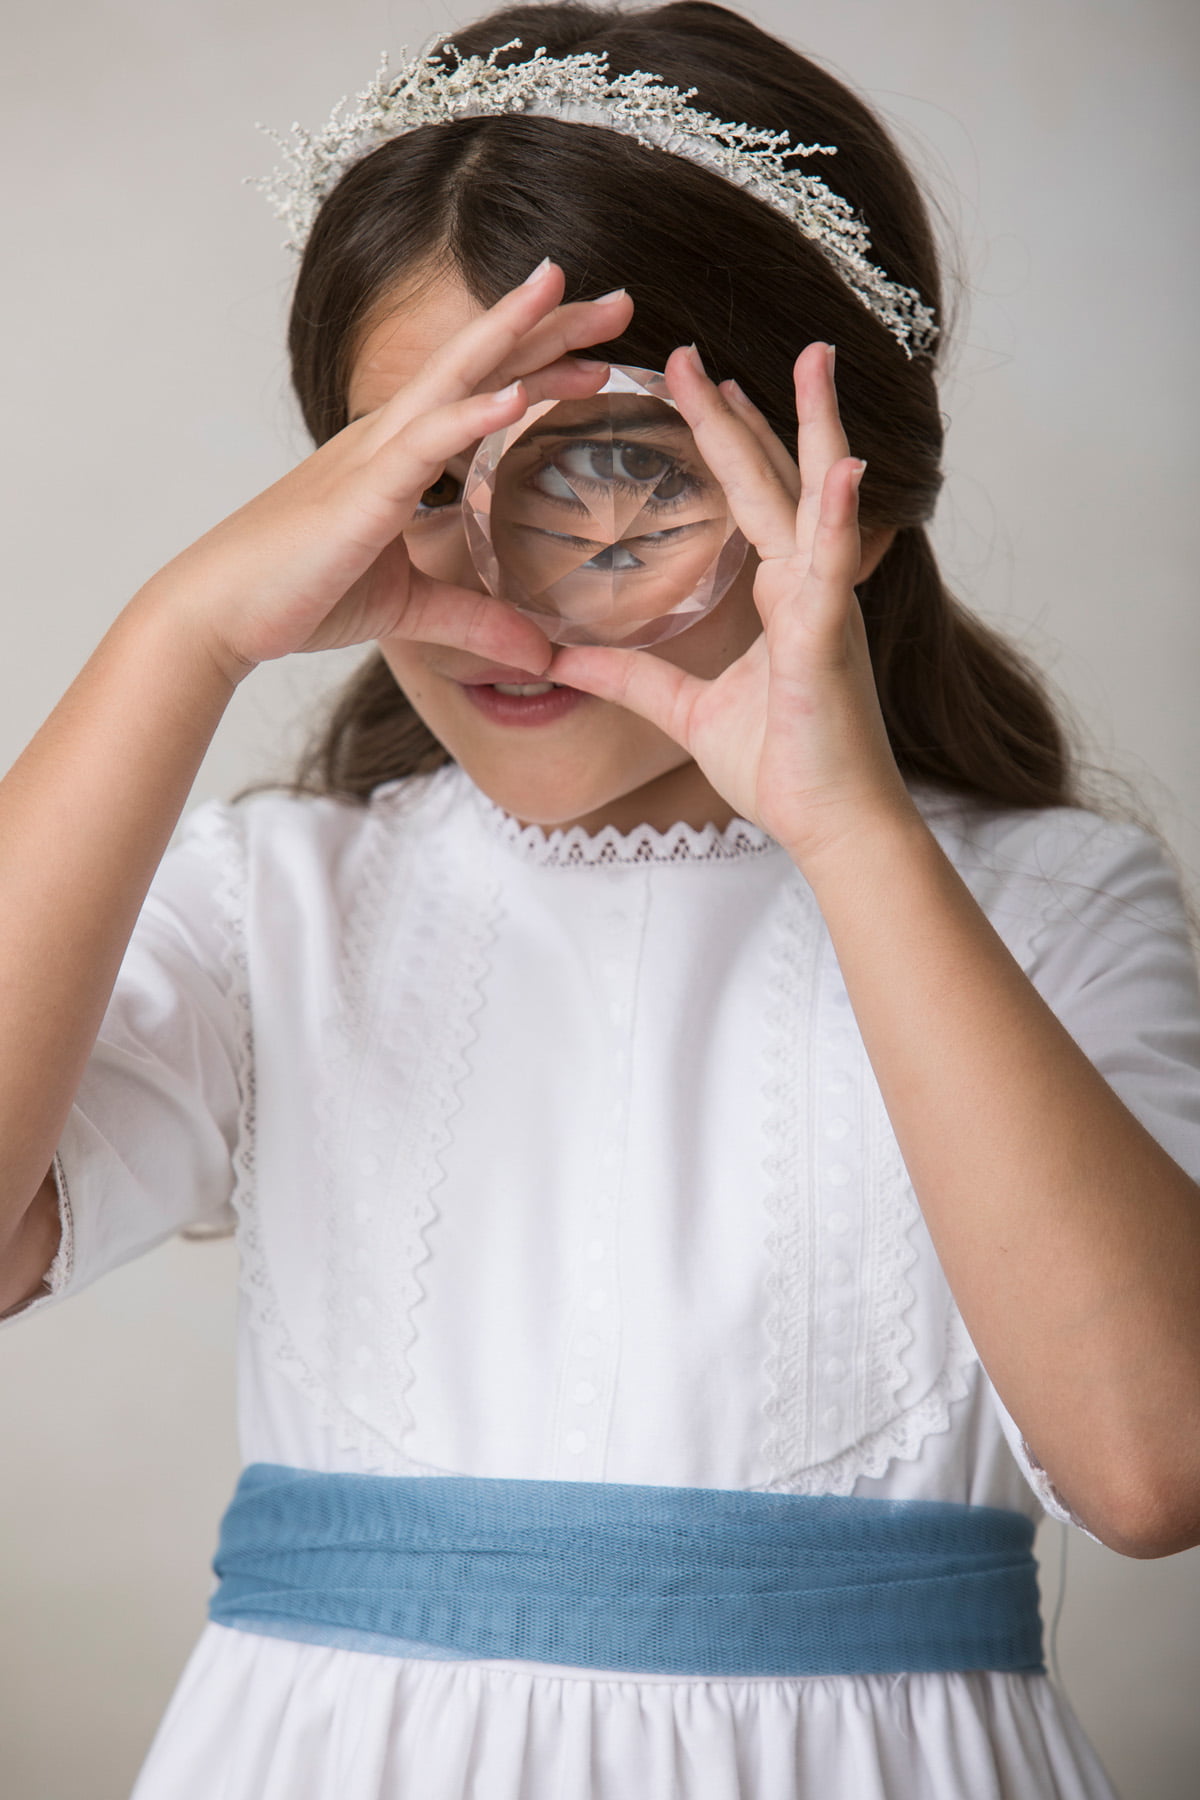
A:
576, 848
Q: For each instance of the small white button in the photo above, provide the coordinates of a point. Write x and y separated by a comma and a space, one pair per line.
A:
584, 1392
838, 1222
835, 1368
831, 1418
363, 1357
597, 1299
839, 1175
839, 1273
363, 1307
576, 1442
359, 1403
835, 1319
362, 1257
362, 1212
595, 1250
368, 1165
590, 1345
837, 1128
837, 1084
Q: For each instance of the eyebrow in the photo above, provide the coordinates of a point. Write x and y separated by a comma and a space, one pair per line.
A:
633, 424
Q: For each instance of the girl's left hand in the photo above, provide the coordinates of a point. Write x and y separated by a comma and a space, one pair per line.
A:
791, 733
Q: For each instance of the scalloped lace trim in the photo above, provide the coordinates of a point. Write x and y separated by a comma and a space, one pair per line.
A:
399, 1093
62, 1270
1052, 1501
574, 847
843, 1241
254, 1275
902, 1438
376, 1448
790, 1244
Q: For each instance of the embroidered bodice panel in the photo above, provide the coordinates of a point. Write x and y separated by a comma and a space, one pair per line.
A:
560, 1154
598, 1151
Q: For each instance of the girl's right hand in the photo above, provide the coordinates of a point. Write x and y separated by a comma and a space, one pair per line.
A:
317, 562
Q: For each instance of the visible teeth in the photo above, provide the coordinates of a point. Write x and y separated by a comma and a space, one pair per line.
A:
529, 687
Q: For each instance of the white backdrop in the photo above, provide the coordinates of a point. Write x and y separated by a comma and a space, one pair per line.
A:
145, 392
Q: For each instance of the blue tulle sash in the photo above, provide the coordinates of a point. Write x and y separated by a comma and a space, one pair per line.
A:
651, 1580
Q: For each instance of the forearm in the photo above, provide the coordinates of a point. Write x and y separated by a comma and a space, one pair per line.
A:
85, 816
1070, 1239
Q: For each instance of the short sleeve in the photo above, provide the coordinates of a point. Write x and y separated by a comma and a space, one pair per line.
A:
1107, 944
148, 1147
1109, 950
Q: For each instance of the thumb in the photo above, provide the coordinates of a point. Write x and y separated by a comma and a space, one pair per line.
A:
643, 684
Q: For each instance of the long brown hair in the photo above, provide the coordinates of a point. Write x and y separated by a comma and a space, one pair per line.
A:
487, 198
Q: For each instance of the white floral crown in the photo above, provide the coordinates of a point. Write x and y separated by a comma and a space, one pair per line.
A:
579, 89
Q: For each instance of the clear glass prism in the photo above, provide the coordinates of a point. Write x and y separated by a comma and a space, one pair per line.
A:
599, 519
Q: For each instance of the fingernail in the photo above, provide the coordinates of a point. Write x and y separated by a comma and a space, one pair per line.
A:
694, 357
860, 469
535, 273
731, 387
502, 396
586, 362
617, 294
830, 356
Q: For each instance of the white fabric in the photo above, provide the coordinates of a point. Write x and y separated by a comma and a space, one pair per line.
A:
561, 1157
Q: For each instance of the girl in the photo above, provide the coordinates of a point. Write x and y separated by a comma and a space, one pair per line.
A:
713, 1128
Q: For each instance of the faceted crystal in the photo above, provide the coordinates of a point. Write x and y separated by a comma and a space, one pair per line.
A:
598, 518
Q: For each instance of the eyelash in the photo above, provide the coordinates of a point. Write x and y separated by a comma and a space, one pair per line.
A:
624, 487
615, 482
645, 537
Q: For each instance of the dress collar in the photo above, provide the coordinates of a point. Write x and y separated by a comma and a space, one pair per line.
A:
577, 848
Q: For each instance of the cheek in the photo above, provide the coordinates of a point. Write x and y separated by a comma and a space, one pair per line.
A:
409, 672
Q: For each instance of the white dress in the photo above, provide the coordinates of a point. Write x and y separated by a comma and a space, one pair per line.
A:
559, 1156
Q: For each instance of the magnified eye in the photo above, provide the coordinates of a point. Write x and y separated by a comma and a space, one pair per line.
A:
640, 463
592, 463
445, 491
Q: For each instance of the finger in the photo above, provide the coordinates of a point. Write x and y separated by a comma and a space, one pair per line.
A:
776, 452
464, 619
836, 548
567, 328
398, 471
461, 365
820, 440
570, 378
762, 506
522, 332
649, 686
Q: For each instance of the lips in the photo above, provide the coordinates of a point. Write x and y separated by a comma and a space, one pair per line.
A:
543, 708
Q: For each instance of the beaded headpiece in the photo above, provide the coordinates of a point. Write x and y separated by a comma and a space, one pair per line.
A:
579, 89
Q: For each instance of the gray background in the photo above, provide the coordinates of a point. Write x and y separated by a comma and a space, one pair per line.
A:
145, 394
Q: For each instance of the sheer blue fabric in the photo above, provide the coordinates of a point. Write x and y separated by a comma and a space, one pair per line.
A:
651, 1580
